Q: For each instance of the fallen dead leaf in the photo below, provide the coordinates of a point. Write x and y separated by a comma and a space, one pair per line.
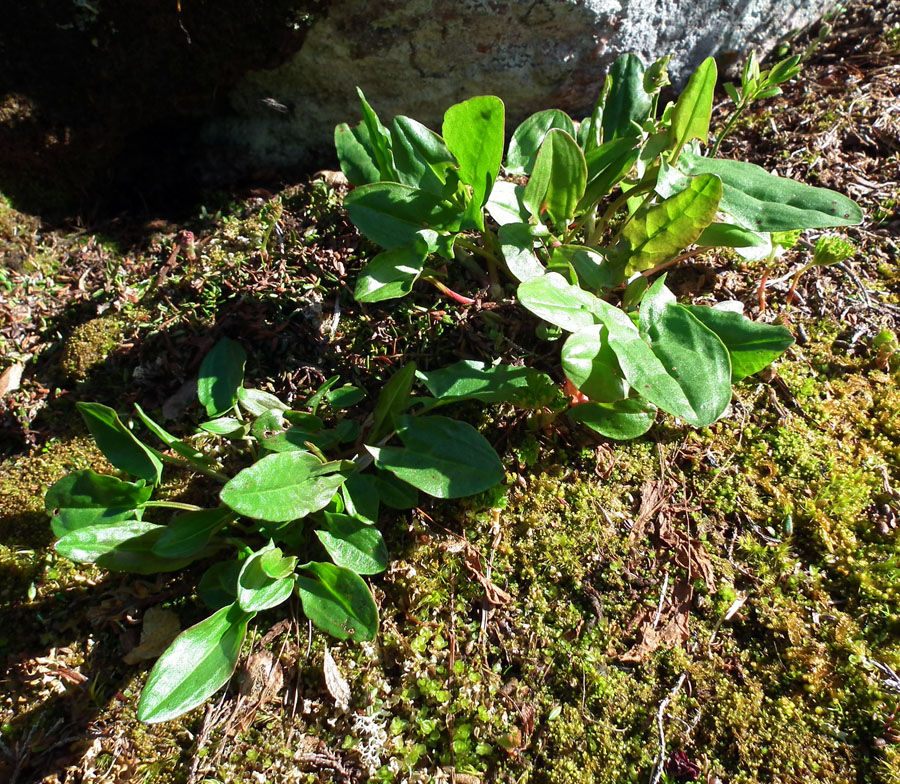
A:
11, 378
335, 682
159, 628
674, 620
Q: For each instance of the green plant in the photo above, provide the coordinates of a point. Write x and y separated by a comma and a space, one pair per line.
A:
606, 204
828, 250
265, 513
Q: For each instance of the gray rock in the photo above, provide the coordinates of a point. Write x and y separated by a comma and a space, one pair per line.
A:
417, 57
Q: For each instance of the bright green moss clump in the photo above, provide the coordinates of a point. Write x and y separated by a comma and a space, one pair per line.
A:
89, 345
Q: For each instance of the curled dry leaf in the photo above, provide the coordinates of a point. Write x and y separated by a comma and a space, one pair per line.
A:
261, 677
335, 682
160, 627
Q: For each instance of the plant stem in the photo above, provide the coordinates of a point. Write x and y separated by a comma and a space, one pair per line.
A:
727, 129
613, 208
448, 291
672, 262
476, 250
173, 505
210, 472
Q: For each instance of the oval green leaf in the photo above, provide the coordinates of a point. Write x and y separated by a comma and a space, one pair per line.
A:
221, 375
119, 444
590, 363
690, 118
474, 132
752, 346
627, 104
393, 401
125, 546
622, 420
338, 601
442, 457
354, 544
474, 380
420, 155
84, 498
281, 487
558, 302
257, 590
356, 154
392, 215
687, 372
660, 232
558, 180
762, 202
517, 246
528, 137
196, 665
190, 533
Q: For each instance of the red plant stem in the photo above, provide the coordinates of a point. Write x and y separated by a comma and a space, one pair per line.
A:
450, 292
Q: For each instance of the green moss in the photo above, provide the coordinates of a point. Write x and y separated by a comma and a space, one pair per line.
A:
89, 346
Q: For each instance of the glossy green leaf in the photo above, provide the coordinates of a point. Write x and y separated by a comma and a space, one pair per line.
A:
118, 443
221, 375
440, 456
558, 180
590, 363
275, 564
190, 533
607, 166
560, 303
347, 431
420, 155
473, 380
196, 665
338, 601
125, 546
312, 402
690, 118
627, 104
728, 235
379, 138
218, 586
474, 132
527, 139
257, 401
354, 544
517, 246
360, 494
193, 456
390, 275
687, 372
752, 346
393, 491
281, 487
84, 498
274, 432
505, 204
228, 427
356, 154
634, 293
621, 420
393, 401
660, 232
345, 396
760, 201
595, 272
256, 589
393, 215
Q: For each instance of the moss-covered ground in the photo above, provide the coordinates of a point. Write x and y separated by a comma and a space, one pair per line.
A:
723, 601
